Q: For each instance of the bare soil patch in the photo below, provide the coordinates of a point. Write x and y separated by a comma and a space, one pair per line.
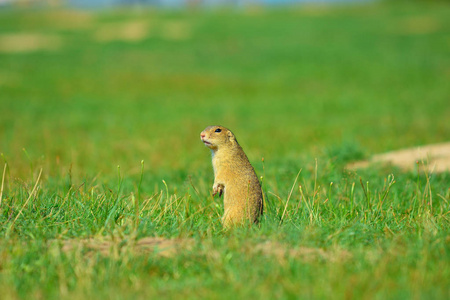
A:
139, 30
282, 252
29, 42
434, 158
172, 247
418, 25
132, 31
69, 20
157, 245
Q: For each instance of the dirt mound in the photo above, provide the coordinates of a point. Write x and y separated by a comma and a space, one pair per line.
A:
434, 158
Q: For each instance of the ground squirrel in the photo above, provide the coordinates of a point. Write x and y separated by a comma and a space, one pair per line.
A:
234, 176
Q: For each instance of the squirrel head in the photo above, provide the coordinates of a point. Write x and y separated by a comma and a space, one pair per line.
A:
215, 137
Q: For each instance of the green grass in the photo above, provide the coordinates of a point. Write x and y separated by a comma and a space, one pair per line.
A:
307, 88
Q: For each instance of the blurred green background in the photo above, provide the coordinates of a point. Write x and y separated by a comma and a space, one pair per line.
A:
96, 89
85, 91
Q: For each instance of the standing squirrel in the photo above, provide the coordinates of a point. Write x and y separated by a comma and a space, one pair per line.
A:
234, 177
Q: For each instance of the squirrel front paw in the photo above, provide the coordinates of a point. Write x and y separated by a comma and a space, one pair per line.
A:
218, 188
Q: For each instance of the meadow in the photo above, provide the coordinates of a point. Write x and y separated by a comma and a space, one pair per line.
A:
100, 116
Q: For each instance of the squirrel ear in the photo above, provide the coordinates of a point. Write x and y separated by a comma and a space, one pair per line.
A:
231, 137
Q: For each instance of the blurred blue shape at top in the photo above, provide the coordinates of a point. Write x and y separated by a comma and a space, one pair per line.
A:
106, 3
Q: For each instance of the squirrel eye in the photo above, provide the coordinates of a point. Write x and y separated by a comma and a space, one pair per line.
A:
218, 130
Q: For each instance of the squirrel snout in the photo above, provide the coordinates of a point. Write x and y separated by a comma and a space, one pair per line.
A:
202, 135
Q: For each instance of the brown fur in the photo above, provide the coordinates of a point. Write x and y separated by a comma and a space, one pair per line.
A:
234, 176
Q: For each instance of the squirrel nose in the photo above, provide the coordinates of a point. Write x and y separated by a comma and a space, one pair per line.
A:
202, 135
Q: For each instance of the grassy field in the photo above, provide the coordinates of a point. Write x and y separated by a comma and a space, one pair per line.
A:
100, 115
